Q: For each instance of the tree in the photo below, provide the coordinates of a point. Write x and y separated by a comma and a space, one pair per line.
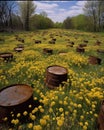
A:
17, 23
90, 10
27, 8
41, 22
6, 12
79, 22
94, 10
67, 23
58, 25
43, 13
100, 10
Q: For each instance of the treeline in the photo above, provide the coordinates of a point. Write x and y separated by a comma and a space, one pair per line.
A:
91, 20
22, 16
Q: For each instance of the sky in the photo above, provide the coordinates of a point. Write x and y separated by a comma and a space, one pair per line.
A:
58, 11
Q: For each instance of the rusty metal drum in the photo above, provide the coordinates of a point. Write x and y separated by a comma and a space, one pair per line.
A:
80, 49
82, 45
100, 121
47, 51
18, 49
94, 60
55, 75
6, 56
15, 98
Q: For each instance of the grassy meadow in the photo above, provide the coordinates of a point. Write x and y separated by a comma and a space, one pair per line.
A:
75, 106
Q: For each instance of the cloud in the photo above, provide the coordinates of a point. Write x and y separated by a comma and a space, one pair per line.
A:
81, 3
45, 6
57, 12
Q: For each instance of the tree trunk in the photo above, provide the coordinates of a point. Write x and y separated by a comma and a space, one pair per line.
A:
11, 24
27, 18
94, 20
99, 15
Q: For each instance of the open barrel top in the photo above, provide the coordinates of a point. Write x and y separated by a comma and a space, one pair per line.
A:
15, 95
18, 48
58, 70
5, 54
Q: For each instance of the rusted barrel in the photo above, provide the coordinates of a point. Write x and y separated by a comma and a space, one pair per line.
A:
16, 99
20, 40
2, 40
47, 51
20, 45
80, 49
82, 45
86, 41
98, 43
101, 117
100, 51
6, 56
62, 53
72, 43
18, 49
52, 42
94, 60
55, 75
53, 39
37, 41
69, 45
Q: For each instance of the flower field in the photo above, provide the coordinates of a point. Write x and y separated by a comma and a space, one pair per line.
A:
72, 106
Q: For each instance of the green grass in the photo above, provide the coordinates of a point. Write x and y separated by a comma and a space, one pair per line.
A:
81, 95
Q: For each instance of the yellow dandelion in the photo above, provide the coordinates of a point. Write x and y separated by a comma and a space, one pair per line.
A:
95, 115
86, 123
30, 125
61, 109
84, 127
30, 106
47, 117
50, 110
81, 123
52, 103
5, 119
25, 113
60, 122
37, 127
43, 122
79, 106
41, 110
19, 114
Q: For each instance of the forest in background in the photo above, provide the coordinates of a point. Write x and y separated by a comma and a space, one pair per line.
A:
22, 16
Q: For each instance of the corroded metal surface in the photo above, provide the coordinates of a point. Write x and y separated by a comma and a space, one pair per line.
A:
18, 49
57, 70
16, 99
101, 117
14, 95
55, 75
6, 56
80, 49
82, 45
47, 51
94, 60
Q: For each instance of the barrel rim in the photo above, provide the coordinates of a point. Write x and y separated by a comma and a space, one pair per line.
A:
91, 56
58, 66
18, 48
6, 53
12, 86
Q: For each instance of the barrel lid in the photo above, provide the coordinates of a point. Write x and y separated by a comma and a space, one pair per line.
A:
58, 70
5, 54
18, 48
15, 95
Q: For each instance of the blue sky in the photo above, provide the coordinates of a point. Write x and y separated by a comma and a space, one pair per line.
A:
59, 10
